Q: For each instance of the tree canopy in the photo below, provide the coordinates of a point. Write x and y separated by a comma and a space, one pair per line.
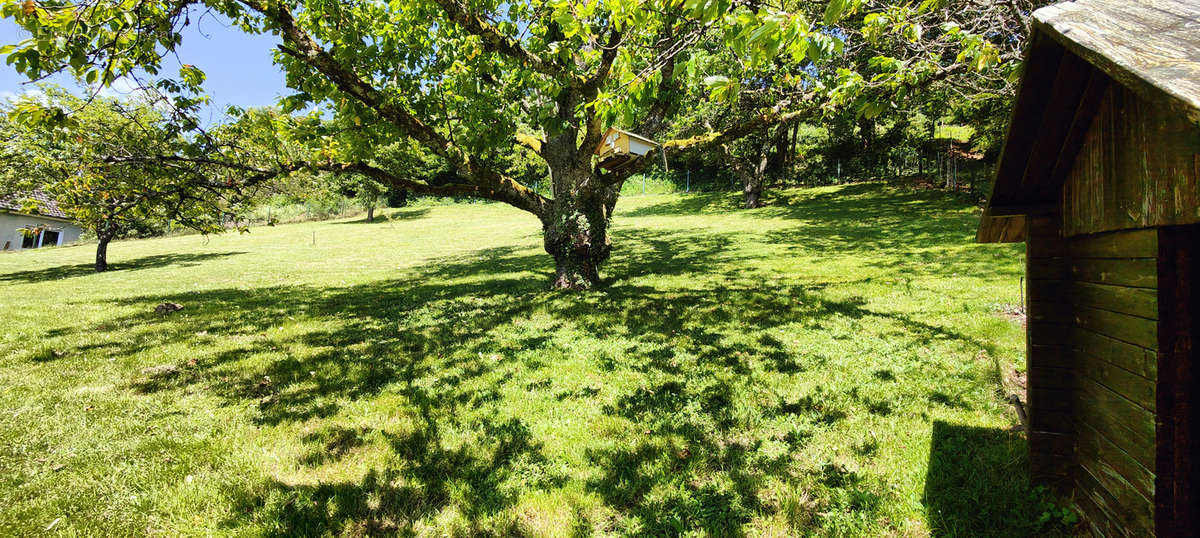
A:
84, 164
476, 82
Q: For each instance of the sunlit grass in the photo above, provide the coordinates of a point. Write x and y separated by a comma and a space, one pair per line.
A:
828, 365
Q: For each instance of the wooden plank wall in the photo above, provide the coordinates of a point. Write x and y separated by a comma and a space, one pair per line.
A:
1047, 357
1178, 480
1092, 361
1138, 167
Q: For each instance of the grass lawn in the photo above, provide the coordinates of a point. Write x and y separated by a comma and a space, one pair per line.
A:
828, 365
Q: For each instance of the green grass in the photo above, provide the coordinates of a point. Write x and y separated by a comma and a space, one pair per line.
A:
828, 365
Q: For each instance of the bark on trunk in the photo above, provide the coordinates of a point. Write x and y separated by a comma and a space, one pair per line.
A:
102, 252
575, 229
576, 235
752, 181
371, 214
752, 193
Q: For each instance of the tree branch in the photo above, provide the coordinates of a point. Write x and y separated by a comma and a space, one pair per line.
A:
495, 41
750, 126
259, 175
306, 49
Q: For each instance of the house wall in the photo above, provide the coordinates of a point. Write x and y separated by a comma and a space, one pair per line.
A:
12, 223
1092, 371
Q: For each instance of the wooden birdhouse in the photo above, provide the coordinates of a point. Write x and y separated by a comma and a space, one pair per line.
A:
619, 148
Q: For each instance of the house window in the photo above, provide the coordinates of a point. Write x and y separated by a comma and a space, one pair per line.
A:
39, 238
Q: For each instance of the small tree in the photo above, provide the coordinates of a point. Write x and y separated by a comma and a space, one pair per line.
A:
77, 161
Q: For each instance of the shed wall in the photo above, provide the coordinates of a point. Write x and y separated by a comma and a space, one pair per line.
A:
1092, 359
1139, 166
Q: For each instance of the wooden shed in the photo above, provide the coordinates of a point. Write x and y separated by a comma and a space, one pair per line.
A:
1099, 178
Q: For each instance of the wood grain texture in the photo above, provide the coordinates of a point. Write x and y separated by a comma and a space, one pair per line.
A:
1135, 359
1150, 45
1119, 513
1095, 446
1091, 363
1000, 229
1177, 436
1136, 388
1125, 244
1136, 169
1093, 512
1049, 404
1134, 273
1140, 332
1107, 120
1141, 302
1128, 425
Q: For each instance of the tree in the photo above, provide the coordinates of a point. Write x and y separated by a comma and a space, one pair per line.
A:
464, 80
471, 80
942, 58
77, 163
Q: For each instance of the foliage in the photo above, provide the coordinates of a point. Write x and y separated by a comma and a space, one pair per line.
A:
80, 163
491, 88
1055, 515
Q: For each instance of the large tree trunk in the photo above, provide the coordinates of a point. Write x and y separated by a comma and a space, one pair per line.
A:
753, 176
575, 226
575, 231
752, 192
102, 251
371, 214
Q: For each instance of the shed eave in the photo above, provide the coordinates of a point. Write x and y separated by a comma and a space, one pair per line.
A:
1150, 46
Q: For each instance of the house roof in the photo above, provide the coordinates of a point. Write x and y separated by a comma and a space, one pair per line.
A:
47, 206
634, 136
1076, 51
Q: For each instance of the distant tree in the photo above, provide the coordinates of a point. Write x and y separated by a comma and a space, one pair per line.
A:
742, 91
79, 162
366, 192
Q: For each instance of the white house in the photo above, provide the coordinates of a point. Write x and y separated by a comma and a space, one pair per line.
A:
48, 227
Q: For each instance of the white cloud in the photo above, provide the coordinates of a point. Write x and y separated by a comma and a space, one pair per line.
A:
121, 87
32, 92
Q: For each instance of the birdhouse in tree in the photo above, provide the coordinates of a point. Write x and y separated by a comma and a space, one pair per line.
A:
619, 148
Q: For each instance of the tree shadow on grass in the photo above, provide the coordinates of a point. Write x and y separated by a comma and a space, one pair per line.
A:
84, 269
912, 233
412, 213
463, 341
424, 477
455, 355
863, 199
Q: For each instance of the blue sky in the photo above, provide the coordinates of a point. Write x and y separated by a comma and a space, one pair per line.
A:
238, 65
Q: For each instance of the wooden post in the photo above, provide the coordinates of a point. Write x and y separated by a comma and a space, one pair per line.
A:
1177, 480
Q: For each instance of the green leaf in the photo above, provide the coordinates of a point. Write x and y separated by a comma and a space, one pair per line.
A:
834, 11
